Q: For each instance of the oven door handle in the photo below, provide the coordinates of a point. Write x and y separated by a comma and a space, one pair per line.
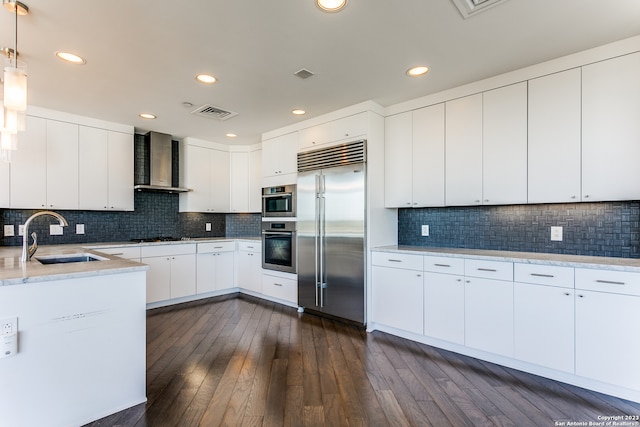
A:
279, 233
281, 195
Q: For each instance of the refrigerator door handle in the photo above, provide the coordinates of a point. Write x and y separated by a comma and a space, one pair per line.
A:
321, 218
316, 222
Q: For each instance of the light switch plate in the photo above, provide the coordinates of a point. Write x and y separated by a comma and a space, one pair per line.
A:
79, 228
55, 230
21, 230
207, 226
425, 230
556, 234
9, 230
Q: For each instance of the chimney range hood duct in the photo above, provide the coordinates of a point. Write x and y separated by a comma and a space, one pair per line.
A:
158, 161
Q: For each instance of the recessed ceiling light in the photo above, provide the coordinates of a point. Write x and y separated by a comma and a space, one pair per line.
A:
298, 112
230, 135
331, 5
417, 71
206, 78
147, 115
70, 57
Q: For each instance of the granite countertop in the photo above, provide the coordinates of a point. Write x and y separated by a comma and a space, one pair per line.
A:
13, 272
579, 261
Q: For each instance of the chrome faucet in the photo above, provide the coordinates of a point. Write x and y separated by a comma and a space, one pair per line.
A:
27, 252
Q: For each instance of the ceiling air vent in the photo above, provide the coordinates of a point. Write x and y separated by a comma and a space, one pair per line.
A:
303, 74
470, 8
212, 112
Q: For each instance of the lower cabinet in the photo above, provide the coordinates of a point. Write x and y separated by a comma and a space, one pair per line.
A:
250, 266
172, 272
215, 266
282, 286
444, 306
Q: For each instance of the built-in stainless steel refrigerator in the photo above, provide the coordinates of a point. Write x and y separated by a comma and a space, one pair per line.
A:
331, 216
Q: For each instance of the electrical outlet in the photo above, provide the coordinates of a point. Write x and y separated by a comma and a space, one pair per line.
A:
9, 230
207, 226
55, 230
8, 325
21, 230
556, 234
79, 228
425, 230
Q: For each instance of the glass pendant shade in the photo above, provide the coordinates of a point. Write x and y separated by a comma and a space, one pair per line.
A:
15, 88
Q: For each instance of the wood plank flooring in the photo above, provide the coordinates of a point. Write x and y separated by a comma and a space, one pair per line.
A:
240, 361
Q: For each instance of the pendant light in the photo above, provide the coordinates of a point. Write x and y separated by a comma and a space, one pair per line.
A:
14, 104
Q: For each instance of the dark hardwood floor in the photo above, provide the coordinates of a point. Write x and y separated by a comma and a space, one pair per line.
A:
239, 361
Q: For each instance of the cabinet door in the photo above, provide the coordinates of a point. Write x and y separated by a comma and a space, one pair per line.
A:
398, 298
611, 129
398, 140
62, 165
543, 326
463, 148
183, 275
489, 315
444, 307
219, 181
205, 273
279, 287
279, 155
504, 145
607, 345
347, 128
224, 270
250, 271
239, 183
5, 188
120, 171
554, 138
29, 167
196, 172
255, 181
428, 156
93, 168
158, 278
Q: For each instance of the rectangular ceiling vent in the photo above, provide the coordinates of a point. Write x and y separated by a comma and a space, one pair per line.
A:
469, 8
212, 112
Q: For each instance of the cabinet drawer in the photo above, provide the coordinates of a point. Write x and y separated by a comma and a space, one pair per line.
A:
404, 261
279, 287
167, 250
337, 130
210, 247
438, 264
128, 252
250, 246
617, 282
499, 270
550, 275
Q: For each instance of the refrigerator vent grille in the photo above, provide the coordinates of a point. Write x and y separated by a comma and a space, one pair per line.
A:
339, 155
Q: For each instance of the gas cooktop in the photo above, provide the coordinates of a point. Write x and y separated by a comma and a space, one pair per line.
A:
159, 239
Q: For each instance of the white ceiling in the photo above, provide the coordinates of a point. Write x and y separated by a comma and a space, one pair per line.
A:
143, 55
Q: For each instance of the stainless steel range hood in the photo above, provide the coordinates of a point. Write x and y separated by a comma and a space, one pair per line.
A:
160, 161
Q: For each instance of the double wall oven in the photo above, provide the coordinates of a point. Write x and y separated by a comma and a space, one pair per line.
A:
279, 228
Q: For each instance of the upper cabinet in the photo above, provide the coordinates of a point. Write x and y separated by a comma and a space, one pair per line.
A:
255, 181
29, 167
554, 165
417, 135
62, 165
280, 160
611, 129
504, 145
341, 130
463, 151
206, 172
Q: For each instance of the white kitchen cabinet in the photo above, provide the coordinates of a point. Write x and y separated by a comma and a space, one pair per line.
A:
29, 167
105, 169
172, 272
489, 306
554, 165
280, 160
504, 145
463, 151
131, 252
397, 291
607, 305
340, 130
215, 266
5, 188
62, 165
249, 275
444, 298
611, 129
255, 181
239, 191
544, 316
206, 172
280, 287
414, 158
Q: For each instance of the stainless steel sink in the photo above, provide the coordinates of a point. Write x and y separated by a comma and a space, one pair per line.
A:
69, 258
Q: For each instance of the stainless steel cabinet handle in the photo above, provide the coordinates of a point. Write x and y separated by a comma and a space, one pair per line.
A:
580, 296
567, 293
610, 282
278, 284
488, 269
542, 275
395, 260
442, 265
118, 254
